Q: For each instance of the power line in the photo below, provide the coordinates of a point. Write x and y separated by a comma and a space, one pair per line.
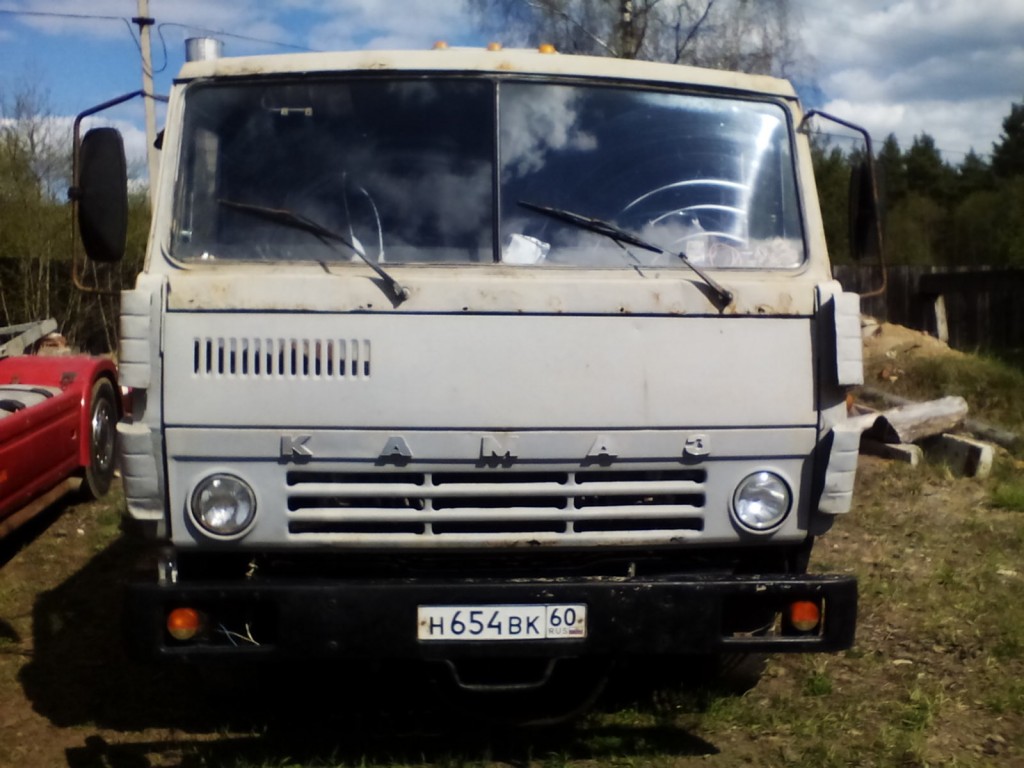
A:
849, 138
54, 14
126, 20
222, 33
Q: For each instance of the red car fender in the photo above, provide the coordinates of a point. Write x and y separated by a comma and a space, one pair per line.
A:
77, 373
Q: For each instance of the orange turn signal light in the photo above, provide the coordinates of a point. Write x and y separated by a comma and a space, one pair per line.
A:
804, 615
184, 623
546, 48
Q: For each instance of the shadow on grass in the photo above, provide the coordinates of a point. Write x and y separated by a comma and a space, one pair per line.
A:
313, 748
302, 714
32, 529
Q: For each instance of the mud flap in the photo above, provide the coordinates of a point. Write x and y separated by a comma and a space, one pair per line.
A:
841, 471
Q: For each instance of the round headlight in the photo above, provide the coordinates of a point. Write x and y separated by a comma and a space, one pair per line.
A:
761, 502
223, 505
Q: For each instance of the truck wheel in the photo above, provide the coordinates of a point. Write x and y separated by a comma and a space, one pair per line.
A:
738, 673
102, 429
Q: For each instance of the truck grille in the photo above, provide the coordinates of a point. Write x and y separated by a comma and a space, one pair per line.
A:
549, 506
269, 358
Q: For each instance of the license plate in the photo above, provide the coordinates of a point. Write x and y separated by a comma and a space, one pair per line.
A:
501, 622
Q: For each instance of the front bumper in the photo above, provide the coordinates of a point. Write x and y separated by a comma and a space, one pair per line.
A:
378, 620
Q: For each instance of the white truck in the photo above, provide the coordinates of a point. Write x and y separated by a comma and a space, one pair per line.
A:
499, 359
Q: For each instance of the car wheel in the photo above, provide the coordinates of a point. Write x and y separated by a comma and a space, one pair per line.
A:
102, 430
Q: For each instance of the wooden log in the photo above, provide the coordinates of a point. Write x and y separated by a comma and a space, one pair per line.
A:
863, 422
910, 423
984, 430
860, 416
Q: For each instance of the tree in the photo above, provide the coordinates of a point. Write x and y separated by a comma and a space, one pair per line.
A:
927, 173
34, 163
1008, 152
832, 177
35, 227
912, 230
973, 174
892, 170
745, 35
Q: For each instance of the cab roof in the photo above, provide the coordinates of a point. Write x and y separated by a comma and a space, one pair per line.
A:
474, 60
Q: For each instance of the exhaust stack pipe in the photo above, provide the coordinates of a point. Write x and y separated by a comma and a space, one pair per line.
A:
203, 48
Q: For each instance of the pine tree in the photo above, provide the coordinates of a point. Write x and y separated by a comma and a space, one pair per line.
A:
1008, 152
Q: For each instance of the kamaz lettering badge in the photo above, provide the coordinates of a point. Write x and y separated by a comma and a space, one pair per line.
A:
294, 446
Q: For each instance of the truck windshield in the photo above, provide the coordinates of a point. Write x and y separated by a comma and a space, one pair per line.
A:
432, 171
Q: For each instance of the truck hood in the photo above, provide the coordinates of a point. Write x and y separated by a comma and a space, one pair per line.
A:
485, 371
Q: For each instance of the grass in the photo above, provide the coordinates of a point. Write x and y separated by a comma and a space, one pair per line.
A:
1009, 494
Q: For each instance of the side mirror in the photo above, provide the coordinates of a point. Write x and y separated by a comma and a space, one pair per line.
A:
865, 218
101, 192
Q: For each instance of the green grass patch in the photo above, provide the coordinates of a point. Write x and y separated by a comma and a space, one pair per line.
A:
1009, 494
1007, 698
818, 682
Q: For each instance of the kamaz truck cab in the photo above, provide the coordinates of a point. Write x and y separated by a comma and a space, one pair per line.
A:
494, 359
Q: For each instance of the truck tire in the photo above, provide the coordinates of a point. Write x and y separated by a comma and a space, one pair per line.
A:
737, 673
102, 429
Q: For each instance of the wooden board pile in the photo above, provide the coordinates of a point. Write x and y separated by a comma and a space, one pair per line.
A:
909, 431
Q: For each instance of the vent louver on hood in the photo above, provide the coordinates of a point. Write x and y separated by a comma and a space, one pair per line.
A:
267, 358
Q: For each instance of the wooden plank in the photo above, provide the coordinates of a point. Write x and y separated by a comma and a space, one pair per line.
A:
907, 453
970, 281
24, 336
965, 457
34, 507
941, 323
910, 423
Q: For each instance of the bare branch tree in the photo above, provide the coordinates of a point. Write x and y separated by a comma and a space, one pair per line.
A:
747, 35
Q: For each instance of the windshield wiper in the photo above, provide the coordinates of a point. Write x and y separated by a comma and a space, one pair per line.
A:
599, 227
328, 237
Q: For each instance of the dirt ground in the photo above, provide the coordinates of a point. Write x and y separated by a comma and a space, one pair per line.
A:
896, 341
934, 679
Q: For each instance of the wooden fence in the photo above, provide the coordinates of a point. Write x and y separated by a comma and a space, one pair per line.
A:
972, 308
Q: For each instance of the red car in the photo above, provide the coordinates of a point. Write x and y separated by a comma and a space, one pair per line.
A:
58, 416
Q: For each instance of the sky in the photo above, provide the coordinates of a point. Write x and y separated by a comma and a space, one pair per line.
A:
948, 68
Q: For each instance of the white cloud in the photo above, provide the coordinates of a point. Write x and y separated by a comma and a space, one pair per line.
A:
957, 129
534, 125
949, 68
371, 24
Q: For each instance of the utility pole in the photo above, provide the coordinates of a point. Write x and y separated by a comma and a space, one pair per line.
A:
144, 22
626, 39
